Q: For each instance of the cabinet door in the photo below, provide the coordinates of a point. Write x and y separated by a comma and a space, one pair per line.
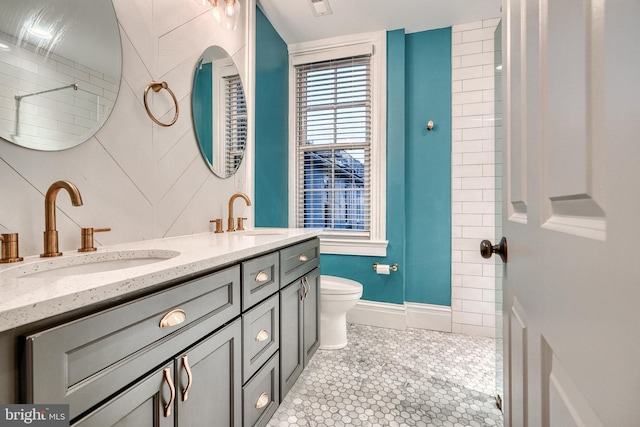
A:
291, 351
211, 371
142, 405
311, 312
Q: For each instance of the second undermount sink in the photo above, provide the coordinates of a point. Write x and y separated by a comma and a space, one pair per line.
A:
96, 262
261, 232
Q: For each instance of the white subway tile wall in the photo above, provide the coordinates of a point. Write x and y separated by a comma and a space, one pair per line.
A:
474, 168
56, 116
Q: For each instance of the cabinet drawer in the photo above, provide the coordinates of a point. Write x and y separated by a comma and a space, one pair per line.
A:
84, 361
260, 395
260, 335
298, 260
260, 279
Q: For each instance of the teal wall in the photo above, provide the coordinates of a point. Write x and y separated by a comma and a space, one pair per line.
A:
418, 164
271, 131
428, 167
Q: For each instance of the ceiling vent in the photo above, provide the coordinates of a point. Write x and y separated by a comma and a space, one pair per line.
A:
321, 7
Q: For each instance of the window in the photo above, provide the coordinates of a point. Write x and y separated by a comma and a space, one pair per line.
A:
338, 152
333, 135
235, 126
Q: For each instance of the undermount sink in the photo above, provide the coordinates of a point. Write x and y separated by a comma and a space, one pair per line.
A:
258, 232
96, 262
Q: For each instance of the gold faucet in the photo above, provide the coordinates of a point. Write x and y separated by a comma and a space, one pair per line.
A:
50, 232
230, 226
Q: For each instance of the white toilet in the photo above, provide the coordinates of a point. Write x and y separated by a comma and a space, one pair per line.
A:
337, 296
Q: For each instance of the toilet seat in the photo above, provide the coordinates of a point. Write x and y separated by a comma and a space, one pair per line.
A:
332, 285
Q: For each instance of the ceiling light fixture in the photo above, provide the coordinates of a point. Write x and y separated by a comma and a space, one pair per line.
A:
321, 7
40, 32
227, 12
4, 47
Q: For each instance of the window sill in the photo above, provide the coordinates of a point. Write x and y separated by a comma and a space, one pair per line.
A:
336, 246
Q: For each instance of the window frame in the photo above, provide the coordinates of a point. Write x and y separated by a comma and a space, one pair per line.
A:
344, 242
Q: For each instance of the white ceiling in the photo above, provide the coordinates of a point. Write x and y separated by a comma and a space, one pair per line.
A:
295, 22
85, 31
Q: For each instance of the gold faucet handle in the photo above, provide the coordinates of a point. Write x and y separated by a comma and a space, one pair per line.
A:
86, 237
218, 223
241, 223
10, 251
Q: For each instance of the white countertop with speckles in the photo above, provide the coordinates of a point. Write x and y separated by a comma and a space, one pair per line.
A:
26, 296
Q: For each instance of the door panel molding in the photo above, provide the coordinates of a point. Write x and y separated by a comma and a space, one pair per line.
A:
562, 402
515, 98
571, 81
518, 365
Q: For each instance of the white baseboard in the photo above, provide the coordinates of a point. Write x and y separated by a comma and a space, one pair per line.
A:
428, 316
401, 316
382, 314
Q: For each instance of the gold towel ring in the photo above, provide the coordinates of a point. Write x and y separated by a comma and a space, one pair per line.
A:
156, 86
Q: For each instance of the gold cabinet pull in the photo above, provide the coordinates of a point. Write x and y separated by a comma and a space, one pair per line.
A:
263, 400
307, 286
303, 258
187, 369
172, 389
262, 277
173, 318
263, 335
303, 294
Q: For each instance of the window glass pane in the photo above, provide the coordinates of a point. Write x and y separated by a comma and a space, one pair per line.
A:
335, 195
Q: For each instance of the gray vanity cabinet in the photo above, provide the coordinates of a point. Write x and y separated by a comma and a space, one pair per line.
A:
205, 380
86, 361
221, 349
300, 331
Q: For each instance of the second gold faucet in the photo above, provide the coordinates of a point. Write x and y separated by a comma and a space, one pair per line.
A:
230, 225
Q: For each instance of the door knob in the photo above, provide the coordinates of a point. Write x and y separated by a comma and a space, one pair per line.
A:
487, 249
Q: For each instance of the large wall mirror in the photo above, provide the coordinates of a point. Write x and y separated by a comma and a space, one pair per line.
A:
60, 69
219, 111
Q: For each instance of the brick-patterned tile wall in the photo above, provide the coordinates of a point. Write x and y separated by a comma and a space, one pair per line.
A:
473, 177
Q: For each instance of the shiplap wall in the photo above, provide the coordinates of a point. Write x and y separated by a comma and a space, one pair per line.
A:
142, 180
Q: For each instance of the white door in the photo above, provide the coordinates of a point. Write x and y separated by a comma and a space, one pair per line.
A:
572, 212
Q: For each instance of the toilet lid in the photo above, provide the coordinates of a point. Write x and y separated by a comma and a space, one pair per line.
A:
339, 285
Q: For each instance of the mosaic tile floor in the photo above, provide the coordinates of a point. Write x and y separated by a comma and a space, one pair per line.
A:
386, 377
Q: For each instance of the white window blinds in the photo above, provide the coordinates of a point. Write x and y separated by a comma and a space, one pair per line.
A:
333, 139
235, 122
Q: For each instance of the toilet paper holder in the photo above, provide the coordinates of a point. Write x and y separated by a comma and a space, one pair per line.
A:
393, 267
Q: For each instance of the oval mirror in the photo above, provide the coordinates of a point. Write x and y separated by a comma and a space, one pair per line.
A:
60, 69
219, 111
